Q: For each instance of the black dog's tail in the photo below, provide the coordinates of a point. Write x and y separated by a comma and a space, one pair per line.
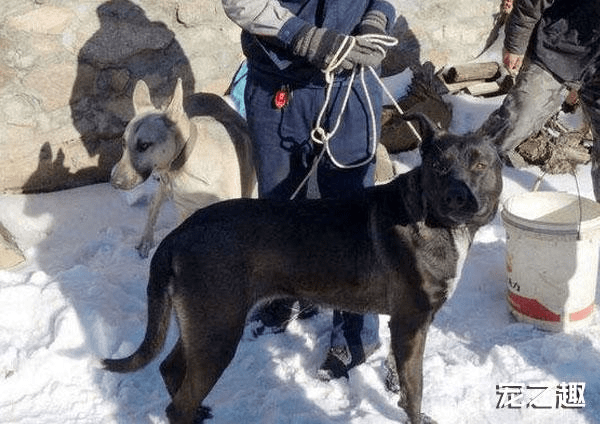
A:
159, 314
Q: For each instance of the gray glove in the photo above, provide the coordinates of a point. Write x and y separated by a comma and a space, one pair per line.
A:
374, 22
320, 45
366, 53
317, 45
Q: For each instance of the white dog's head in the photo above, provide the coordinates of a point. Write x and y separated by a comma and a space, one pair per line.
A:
152, 139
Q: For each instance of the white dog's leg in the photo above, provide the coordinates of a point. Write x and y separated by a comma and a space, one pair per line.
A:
147, 241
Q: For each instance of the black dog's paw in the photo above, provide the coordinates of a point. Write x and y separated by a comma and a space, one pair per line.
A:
203, 413
257, 328
426, 419
335, 365
175, 416
271, 317
306, 310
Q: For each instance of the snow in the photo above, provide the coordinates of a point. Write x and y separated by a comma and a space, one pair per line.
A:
80, 297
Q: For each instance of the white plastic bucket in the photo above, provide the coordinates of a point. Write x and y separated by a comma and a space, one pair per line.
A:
552, 246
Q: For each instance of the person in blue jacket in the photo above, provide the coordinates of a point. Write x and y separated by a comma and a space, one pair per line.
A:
291, 46
554, 47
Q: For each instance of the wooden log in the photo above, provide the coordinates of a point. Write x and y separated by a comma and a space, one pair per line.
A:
472, 71
483, 88
576, 155
458, 86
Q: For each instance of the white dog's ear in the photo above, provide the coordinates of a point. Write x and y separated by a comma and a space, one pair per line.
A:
175, 109
141, 98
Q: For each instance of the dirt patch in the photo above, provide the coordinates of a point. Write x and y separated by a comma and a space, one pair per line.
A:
557, 149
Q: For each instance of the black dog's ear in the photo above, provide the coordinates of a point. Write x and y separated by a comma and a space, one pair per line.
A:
494, 130
492, 137
429, 130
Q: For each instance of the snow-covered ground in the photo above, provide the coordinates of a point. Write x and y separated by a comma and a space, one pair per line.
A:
80, 296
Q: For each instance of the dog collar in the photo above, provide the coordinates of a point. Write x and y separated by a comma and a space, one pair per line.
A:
186, 150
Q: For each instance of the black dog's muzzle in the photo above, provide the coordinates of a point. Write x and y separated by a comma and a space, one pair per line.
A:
458, 203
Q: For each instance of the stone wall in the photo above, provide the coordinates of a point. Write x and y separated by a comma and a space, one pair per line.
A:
68, 68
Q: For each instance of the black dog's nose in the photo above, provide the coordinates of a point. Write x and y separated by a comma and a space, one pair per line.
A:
457, 196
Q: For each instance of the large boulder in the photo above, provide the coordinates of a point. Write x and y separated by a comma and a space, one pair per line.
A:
10, 254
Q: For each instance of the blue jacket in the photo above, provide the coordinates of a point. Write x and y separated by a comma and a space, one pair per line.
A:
269, 28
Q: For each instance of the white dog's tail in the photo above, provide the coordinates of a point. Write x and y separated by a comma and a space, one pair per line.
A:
159, 314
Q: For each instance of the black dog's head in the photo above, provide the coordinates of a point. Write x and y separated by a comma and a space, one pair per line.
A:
461, 176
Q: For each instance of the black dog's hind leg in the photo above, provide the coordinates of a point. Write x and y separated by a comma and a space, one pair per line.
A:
207, 349
173, 368
408, 334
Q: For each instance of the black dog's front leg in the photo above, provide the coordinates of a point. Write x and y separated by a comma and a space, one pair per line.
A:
408, 344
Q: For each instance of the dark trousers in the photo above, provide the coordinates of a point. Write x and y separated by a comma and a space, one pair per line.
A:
590, 102
284, 152
535, 97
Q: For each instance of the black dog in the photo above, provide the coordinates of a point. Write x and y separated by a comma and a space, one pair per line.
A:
398, 250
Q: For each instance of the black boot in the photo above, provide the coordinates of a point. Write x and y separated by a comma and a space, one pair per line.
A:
274, 316
348, 347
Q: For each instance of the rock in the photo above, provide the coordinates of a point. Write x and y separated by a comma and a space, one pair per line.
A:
46, 20
384, 168
10, 254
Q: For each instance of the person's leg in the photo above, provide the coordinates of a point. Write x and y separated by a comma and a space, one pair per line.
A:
354, 336
534, 98
352, 143
590, 102
281, 151
282, 157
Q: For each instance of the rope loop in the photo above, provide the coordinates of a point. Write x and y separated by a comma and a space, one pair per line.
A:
318, 134
340, 55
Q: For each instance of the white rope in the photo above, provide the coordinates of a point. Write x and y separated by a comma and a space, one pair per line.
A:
338, 58
318, 134
396, 105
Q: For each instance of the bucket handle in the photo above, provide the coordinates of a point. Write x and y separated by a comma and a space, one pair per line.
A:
538, 182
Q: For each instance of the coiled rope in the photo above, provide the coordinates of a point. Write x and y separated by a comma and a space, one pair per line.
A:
319, 134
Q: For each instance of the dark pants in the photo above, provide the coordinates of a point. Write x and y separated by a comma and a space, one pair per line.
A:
535, 97
590, 102
284, 152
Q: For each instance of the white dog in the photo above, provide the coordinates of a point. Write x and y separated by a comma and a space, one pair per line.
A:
199, 160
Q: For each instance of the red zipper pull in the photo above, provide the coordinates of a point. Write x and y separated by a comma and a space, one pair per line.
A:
282, 97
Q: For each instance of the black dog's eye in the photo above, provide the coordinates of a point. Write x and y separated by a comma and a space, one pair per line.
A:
441, 167
142, 146
480, 166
